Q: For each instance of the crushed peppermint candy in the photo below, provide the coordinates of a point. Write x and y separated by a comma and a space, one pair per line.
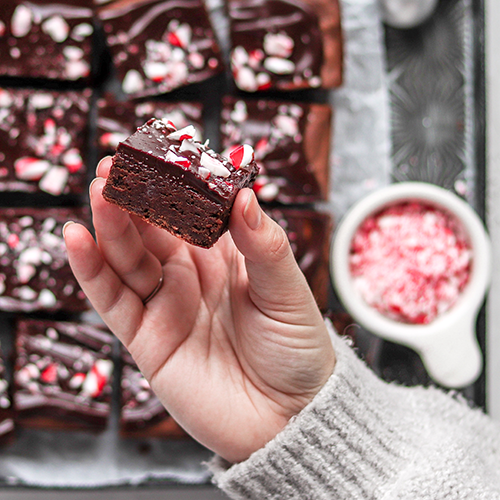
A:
410, 262
190, 154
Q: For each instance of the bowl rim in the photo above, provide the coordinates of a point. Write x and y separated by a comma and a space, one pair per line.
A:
470, 299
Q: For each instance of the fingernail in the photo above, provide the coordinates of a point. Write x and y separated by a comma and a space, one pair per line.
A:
66, 225
252, 212
99, 164
92, 183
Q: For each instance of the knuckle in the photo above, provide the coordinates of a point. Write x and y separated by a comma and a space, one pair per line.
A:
279, 246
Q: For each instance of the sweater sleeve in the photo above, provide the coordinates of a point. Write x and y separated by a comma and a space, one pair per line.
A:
361, 438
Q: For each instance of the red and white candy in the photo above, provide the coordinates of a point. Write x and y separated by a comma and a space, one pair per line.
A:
241, 156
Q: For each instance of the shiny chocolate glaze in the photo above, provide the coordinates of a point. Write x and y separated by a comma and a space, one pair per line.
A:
43, 141
62, 375
309, 233
142, 414
34, 271
117, 120
291, 142
285, 44
44, 39
6, 416
160, 45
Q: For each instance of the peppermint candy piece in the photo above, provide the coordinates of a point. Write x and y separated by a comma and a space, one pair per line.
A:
178, 160
30, 169
215, 166
241, 156
21, 21
55, 180
97, 378
183, 133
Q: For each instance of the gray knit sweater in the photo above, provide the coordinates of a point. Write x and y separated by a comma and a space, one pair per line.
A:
362, 438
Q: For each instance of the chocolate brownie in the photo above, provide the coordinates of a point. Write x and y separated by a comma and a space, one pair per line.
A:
160, 45
164, 176
62, 375
34, 271
6, 415
117, 120
44, 39
291, 141
142, 414
309, 232
43, 141
285, 45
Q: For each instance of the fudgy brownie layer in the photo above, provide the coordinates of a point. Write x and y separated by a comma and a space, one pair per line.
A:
165, 177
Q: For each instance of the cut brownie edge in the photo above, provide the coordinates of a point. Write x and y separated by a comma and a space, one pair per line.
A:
178, 209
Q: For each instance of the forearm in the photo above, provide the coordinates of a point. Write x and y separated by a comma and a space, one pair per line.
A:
363, 438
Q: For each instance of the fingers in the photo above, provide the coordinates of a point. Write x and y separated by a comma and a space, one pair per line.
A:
103, 167
121, 245
274, 276
159, 242
117, 305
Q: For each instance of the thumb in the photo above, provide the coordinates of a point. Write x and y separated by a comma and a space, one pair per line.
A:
275, 279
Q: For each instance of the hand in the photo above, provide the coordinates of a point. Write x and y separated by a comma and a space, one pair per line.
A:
233, 343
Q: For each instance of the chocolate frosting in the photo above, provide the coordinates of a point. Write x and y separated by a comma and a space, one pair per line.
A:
34, 271
43, 39
62, 374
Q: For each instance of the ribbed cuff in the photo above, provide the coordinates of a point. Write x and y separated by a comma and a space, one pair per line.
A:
349, 441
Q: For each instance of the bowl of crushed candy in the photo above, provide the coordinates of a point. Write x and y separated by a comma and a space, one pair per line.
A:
411, 262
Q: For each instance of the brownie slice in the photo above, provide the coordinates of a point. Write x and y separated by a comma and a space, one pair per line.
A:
117, 120
6, 415
43, 141
44, 39
283, 45
142, 415
34, 271
62, 375
309, 232
291, 141
160, 45
175, 182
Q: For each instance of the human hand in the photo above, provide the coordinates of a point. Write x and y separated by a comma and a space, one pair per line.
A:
233, 343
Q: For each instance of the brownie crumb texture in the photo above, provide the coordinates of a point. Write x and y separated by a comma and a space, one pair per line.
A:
166, 177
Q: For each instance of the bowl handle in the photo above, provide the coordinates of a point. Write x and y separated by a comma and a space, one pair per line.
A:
453, 358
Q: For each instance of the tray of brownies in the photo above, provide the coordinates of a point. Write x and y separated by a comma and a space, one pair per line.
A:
303, 83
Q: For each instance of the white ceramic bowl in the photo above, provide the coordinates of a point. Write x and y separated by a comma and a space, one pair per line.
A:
448, 345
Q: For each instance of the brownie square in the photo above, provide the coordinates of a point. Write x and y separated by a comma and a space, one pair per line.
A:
44, 39
282, 45
6, 415
117, 120
62, 375
291, 141
160, 45
309, 232
171, 180
142, 415
43, 141
34, 271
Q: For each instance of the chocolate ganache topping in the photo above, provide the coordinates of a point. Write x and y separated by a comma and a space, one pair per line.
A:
276, 44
